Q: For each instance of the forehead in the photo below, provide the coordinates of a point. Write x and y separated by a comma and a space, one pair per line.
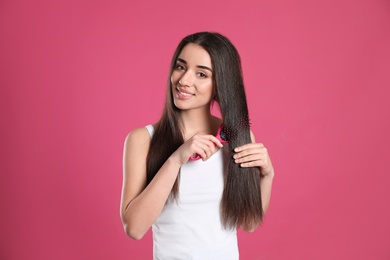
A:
195, 55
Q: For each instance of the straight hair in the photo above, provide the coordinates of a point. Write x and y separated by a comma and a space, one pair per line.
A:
241, 203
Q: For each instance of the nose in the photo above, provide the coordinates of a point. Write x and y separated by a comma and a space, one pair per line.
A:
186, 79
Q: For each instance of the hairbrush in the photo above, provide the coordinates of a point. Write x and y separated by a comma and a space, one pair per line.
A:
221, 136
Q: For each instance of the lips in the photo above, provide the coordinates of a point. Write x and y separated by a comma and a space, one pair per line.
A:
182, 93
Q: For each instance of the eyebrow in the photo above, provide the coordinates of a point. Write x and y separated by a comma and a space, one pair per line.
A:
198, 66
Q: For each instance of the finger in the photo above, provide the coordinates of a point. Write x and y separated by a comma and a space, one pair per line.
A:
211, 138
210, 141
249, 158
215, 141
207, 138
250, 164
251, 151
212, 149
248, 146
205, 149
204, 146
262, 163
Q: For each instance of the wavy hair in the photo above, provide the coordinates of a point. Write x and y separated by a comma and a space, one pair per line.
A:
241, 200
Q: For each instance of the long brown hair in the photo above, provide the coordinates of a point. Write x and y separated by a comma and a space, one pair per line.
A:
241, 200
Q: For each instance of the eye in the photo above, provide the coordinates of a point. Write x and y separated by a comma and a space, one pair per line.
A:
180, 67
202, 75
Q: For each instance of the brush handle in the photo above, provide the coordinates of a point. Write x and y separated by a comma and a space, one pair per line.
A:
196, 156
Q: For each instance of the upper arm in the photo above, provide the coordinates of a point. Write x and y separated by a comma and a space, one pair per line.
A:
135, 151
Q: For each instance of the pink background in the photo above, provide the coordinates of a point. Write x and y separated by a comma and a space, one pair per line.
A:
77, 76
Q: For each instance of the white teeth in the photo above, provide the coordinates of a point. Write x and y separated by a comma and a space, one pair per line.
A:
185, 94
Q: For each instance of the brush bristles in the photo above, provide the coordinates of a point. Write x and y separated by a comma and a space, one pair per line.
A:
231, 132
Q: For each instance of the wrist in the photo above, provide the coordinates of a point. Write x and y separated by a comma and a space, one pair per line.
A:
267, 174
175, 161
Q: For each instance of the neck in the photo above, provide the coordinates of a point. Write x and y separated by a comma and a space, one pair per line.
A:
198, 121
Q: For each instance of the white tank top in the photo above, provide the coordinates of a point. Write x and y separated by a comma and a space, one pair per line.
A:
190, 227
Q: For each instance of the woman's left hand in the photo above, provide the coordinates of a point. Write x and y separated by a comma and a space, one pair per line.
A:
254, 155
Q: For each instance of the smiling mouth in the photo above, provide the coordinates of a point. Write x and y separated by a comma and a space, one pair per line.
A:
184, 93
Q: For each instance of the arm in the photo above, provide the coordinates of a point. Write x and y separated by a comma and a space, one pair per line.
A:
256, 155
141, 204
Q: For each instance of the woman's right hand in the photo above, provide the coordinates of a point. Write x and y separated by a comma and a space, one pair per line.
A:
203, 145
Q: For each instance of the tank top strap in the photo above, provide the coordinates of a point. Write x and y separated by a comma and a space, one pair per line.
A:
150, 129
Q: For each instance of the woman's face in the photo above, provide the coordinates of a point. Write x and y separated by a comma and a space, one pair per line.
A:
191, 79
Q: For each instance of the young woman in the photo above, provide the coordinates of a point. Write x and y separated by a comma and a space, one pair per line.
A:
195, 206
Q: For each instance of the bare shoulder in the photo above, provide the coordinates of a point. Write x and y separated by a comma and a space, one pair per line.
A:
138, 138
136, 148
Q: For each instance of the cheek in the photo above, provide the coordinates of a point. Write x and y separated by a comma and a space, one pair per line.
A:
207, 88
175, 76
